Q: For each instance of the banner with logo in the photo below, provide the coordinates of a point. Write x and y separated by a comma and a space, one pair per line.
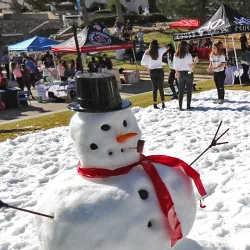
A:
91, 40
224, 21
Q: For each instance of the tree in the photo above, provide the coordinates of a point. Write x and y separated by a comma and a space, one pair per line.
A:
84, 13
17, 6
199, 8
119, 11
112, 6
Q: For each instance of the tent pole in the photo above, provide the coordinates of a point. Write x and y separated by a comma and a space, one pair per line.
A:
236, 59
9, 68
54, 61
135, 59
225, 41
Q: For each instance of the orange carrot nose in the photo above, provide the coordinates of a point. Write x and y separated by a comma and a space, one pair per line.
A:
123, 138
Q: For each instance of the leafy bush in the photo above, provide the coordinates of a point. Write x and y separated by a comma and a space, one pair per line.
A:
96, 6
102, 12
108, 20
140, 19
112, 6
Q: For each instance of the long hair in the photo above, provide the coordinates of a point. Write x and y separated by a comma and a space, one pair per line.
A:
171, 51
13, 65
182, 49
153, 49
219, 52
65, 65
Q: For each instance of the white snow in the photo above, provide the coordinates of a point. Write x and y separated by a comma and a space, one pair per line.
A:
29, 162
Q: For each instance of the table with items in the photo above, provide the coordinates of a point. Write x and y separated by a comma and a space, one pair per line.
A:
232, 72
59, 88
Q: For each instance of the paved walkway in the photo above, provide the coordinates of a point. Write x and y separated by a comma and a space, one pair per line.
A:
40, 109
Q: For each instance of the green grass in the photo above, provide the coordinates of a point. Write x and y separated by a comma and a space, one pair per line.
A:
14, 129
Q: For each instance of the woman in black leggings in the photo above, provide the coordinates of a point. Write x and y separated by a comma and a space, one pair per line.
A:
152, 59
217, 66
184, 64
172, 73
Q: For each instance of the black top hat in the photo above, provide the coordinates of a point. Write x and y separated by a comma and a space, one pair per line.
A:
96, 93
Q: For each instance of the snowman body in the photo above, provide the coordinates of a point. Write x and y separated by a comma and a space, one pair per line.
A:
116, 213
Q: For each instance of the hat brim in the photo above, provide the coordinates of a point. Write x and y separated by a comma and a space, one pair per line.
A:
76, 107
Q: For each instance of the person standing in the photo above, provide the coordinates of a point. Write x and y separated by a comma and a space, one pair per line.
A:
108, 61
140, 36
245, 61
65, 22
26, 78
46, 70
129, 27
183, 65
3, 82
125, 34
172, 73
106, 30
217, 66
32, 68
16, 70
140, 10
152, 59
93, 65
65, 71
6, 63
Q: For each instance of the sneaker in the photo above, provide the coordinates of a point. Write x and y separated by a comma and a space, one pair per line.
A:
155, 106
190, 108
220, 101
181, 109
163, 105
216, 102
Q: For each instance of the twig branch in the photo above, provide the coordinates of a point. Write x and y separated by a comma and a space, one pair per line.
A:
2, 204
213, 143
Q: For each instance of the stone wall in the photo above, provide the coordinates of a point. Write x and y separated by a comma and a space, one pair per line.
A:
11, 27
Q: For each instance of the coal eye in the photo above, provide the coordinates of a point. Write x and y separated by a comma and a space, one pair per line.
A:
125, 124
105, 127
93, 146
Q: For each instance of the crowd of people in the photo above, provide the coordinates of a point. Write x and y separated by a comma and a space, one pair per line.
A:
181, 64
100, 64
26, 70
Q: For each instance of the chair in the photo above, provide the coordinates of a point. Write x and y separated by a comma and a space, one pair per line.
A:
23, 97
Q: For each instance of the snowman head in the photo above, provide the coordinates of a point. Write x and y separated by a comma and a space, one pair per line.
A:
105, 140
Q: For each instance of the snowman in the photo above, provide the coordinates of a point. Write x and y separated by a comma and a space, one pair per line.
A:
118, 199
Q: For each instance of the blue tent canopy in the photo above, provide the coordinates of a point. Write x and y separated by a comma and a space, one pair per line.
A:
33, 44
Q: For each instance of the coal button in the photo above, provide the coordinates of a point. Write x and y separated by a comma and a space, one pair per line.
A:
150, 224
143, 194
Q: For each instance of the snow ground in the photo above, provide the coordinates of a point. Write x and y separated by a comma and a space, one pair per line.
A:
29, 162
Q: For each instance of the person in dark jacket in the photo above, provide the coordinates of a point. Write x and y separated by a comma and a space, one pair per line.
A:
108, 62
93, 65
172, 74
26, 78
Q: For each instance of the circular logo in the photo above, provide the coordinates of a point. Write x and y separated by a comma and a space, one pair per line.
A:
99, 38
81, 40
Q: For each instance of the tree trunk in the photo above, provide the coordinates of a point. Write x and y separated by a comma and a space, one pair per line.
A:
119, 11
84, 13
203, 12
21, 23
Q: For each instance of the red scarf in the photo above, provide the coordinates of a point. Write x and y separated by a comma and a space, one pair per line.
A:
164, 198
